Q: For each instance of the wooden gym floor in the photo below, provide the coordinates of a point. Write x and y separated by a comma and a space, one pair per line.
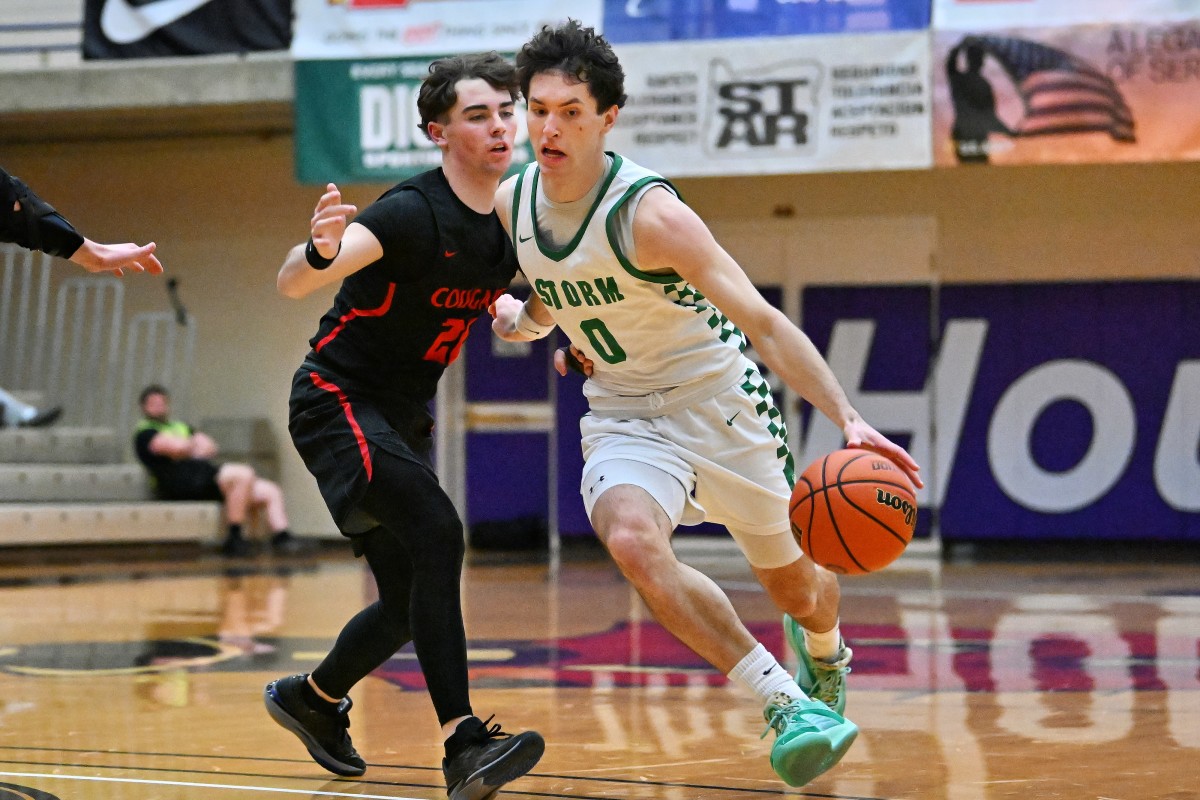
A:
127, 676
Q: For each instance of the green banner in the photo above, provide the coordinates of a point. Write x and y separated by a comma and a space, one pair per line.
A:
356, 121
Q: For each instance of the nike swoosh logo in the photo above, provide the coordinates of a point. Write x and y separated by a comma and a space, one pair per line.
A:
449, 253
729, 422
124, 23
525, 238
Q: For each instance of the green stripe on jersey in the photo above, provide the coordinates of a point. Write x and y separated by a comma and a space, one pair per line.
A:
756, 386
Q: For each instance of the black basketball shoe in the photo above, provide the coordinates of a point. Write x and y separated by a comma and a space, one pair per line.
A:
323, 733
487, 758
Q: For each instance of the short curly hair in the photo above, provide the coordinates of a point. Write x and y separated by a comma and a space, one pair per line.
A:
437, 94
579, 53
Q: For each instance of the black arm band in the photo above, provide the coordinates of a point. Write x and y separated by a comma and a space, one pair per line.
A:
58, 237
315, 259
36, 226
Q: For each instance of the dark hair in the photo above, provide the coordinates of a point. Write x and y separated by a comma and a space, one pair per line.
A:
153, 388
579, 53
437, 95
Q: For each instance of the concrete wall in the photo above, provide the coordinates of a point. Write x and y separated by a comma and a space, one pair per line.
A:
225, 209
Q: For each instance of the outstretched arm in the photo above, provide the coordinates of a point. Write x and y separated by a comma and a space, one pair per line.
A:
117, 258
669, 236
338, 249
32, 223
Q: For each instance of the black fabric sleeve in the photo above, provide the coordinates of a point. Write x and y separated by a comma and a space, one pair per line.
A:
36, 226
403, 223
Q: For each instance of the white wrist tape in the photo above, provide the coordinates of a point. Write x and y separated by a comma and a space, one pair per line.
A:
530, 327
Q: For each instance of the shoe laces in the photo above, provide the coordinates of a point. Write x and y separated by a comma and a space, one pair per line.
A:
485, 733
828, 676
792, 715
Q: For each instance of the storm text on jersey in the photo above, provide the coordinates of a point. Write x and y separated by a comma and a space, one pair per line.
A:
599, 292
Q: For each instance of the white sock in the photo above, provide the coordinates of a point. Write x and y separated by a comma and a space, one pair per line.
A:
824, 646
761, 673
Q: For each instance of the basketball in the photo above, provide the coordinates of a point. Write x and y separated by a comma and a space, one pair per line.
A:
853, 511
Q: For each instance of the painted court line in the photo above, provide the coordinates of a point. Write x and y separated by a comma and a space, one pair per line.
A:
190, 784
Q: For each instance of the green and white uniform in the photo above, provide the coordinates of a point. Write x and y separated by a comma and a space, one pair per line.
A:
676, 408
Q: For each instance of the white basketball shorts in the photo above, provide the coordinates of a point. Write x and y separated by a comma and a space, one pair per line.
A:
722, 460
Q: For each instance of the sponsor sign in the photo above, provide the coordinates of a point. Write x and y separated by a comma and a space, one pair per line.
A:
661, 20
375, 28
810, 104
978, 15
1045, 411
359, 64
1010, 89
356, 121
150, 28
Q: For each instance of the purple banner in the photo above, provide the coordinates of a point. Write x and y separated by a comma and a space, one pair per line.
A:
1042, 411
665, 20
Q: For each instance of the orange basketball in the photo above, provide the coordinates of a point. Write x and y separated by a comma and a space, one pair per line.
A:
853, 511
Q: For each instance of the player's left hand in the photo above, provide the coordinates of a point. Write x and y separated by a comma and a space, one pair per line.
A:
859, 434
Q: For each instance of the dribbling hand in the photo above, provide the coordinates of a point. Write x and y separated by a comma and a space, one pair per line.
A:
860, 434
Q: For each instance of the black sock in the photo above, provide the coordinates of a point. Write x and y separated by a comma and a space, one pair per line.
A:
469, 731
235, 532
315, 701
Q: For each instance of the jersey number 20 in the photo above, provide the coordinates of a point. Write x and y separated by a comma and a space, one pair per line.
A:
446, 346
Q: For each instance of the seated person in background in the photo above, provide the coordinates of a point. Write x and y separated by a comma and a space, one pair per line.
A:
15, 414
179, 460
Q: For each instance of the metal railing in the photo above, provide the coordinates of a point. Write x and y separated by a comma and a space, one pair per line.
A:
24, 300
85, 348
80, 351
41, 34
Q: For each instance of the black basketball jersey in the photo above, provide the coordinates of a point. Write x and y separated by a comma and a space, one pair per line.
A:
397, 323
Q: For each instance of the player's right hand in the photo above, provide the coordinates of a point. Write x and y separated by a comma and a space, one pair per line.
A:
504, 313
328, 223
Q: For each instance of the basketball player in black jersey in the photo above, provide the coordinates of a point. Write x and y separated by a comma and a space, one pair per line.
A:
417, 268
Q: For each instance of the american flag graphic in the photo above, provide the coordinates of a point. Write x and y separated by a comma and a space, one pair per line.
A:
1061, 93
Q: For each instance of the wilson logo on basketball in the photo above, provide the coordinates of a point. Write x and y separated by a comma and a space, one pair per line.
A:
899, 503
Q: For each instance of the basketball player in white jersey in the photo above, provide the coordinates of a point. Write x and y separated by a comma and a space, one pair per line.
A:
682, 426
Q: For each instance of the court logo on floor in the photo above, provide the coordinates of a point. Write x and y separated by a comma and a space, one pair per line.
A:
10, 791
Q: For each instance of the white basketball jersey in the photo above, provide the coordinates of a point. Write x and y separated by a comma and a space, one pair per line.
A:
645, 333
